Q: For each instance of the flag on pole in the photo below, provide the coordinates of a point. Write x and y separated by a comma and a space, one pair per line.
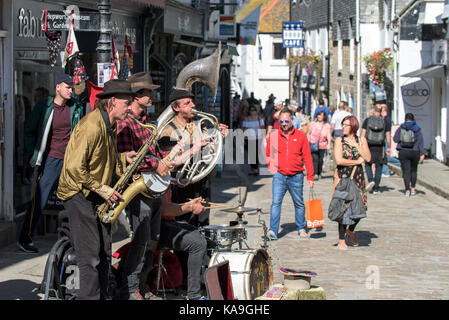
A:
93, 90
125, 72
71, 47
115, 60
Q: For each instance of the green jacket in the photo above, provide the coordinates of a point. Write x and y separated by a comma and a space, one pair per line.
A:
38, 127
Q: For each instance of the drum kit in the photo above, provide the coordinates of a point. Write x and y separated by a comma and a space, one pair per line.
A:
251, 269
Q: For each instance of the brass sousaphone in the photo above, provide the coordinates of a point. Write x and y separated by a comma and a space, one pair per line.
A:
205, 70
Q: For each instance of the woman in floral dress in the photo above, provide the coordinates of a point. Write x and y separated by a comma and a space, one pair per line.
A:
349, 151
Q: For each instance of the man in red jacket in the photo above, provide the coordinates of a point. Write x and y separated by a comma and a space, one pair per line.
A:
287, 152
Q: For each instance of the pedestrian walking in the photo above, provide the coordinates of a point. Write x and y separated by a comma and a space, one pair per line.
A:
252, 126
47, 133
410, 144
376, 131
336, 120
320, 138
287, 152
322, 106
350, 151
273, 120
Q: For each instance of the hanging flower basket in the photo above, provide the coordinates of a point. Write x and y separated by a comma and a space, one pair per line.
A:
309, 60
377, 63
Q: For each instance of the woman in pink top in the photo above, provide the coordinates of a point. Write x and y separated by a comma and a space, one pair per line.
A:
319, 131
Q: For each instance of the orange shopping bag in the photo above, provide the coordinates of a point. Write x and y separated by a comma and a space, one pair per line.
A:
314, 212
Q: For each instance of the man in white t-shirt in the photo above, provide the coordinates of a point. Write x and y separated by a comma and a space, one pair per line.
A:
337, 117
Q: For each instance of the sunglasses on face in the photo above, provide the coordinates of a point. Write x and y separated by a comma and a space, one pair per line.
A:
284, 121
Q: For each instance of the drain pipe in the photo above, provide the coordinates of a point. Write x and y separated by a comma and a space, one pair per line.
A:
359, 59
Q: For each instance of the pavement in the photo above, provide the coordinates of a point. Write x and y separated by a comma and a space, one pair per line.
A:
403, 252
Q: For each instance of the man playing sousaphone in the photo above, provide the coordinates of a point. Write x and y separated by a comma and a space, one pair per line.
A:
89, 163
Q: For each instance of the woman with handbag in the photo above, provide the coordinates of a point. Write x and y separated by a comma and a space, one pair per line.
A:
350, 151
319, 136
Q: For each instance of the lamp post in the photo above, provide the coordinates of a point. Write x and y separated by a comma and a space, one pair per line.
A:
104, 41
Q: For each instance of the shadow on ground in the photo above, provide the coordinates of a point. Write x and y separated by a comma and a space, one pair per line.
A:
19, 289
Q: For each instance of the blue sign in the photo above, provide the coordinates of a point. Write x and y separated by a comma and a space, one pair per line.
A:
293, 34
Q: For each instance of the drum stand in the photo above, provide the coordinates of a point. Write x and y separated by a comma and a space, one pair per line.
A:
265, 229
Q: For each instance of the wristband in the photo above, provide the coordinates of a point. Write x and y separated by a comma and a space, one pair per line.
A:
191, 207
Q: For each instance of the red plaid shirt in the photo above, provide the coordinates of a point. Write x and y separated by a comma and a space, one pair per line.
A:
131, 136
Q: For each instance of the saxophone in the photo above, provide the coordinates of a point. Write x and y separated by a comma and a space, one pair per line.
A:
109, 214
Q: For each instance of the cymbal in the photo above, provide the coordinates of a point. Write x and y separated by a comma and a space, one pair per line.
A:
239, 209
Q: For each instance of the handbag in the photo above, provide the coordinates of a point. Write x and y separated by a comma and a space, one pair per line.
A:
337, 204
315, 147
314, 211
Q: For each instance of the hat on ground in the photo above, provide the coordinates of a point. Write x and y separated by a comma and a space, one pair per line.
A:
179, 93
63, 78
141, 80
116, 86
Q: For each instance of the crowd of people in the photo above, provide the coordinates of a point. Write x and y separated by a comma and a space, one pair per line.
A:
297, 147
81, 154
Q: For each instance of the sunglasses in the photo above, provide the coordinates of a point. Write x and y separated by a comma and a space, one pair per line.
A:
284, 121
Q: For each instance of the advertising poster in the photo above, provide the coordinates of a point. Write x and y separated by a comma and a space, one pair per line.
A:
104, 72
416, 95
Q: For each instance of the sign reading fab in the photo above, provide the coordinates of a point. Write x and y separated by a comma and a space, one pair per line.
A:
293, 34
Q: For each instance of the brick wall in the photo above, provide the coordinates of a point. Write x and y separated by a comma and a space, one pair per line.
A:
341, 78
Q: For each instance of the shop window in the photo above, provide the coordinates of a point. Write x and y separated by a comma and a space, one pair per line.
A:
279, 52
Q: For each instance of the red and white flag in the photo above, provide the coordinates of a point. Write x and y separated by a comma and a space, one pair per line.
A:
71, 47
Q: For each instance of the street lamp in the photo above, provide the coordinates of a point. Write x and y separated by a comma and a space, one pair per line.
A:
104, 41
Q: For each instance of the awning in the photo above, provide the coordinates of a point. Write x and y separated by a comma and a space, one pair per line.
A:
432, 71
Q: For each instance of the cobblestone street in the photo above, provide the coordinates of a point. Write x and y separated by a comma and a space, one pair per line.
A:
404, 239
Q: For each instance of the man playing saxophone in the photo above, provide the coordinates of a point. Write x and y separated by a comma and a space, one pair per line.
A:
89, 163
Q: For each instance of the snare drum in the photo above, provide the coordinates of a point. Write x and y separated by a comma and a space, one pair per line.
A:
223, 235
251, 271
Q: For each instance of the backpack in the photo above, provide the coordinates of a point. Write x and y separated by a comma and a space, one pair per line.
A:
375, 131
407, 138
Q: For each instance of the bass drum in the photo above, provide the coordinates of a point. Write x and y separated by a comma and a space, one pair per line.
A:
251, 271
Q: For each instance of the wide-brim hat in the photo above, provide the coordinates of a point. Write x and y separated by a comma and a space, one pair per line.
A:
116, 86
142, 80
180, 93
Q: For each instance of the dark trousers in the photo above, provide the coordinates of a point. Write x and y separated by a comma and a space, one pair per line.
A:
317, 158
145, 219
51, 169
409, 166
182, 236
91, 240
342, 229
377, 174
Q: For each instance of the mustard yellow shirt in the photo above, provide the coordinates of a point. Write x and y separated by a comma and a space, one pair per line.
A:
89, 160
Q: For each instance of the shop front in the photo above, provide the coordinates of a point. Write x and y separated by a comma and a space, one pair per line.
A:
34, 75
176, 42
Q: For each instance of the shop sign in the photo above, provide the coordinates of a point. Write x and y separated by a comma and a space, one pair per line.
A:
227, 27
179, 21
27, 25
60, 21
293, 34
